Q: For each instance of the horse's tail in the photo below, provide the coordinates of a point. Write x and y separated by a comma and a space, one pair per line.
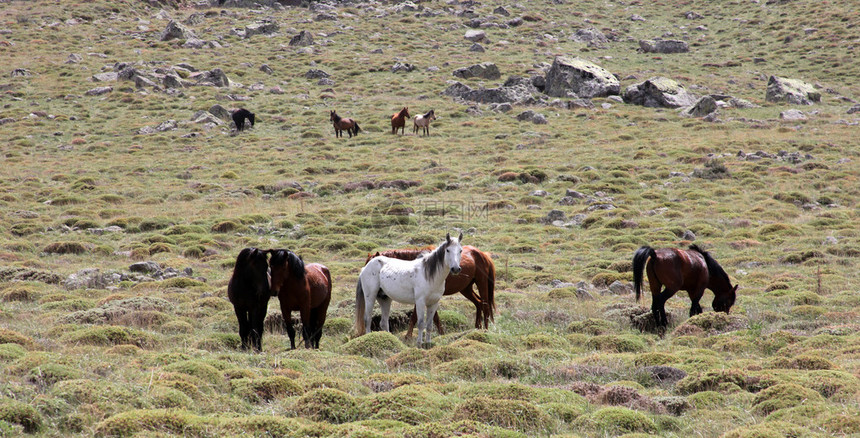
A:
359, 309
491, 283
639, 258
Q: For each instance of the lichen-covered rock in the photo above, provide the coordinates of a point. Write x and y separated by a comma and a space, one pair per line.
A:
303, 39
664, 46
704, 106
484, 70
659, 92
575, 77
176, 30
793, 91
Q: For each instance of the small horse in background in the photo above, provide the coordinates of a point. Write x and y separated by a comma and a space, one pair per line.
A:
249, 292
239, 117
343, 124
423, 121
692, 270
420, 282
399, 121
306, 288
477, 269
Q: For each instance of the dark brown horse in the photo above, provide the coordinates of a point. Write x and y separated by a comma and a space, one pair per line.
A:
343, 124
477, 269
306, 288
249, 292
692, 270
399, 121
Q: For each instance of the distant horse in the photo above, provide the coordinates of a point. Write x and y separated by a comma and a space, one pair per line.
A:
423, 121
477, 269
249, 292
399, 121
420, 282
343, 124
239, 117
691, 270
306, 288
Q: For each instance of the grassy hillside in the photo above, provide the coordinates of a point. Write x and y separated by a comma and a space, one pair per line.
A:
84, 186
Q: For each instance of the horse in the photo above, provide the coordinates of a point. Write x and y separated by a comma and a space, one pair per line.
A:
249, 292
306, 288
399, 121
239, 117
423, 122
420, 282
477, 269
692, 270
343, 124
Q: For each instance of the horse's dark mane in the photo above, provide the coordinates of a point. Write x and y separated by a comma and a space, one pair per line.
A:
433, 261
714, 268
244, 274
295, 263
335, 117
428, 114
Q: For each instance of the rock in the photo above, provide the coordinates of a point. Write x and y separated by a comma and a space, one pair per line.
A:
143, 82
266, 69
85, 279
689, 235
316, 74
501, 107
589, 35
579, 78
265, 27
303, 39
502, 11
215, 77
517, 93
475, 35
74, 58
476, 48
540, 193
515, 22
163, 126
176, 30
195, 18
704, 106
575, 194
692, 15
98, 91
221, 112
195, 43
327, 82
105, 77
792, 114
484, 70
20, 72
566, 200
531, 116
552, 216
619, 288
636, 17
854, 109
205, 117
326, 16
402, 66
741, 103
664, 46
792, 91
659, 92
147, 267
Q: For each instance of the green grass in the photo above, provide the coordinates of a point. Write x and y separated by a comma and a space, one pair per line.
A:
162, 357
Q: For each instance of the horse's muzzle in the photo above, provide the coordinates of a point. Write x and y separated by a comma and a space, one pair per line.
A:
456, 270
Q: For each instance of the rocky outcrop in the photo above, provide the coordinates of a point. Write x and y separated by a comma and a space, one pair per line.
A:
664, 46
515, 90
579, 78
484, 70
261, 28
793, 91
704, 106
659, 92
176, 30
303, 39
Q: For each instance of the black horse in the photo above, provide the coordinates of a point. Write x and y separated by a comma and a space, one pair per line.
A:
249, 292
239, 117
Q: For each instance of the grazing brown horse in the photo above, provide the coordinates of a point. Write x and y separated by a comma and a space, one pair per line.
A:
343, 124
306, 288
477, 269
399, 121
422, 121
249, 292
692, 270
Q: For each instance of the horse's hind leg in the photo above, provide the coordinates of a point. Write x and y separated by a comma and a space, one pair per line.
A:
412, 320
291, 331
258, 317
244, 327
385, 306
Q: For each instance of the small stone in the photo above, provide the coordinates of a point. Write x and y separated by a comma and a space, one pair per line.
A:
145, 267
98, 91
689, 235
475, 35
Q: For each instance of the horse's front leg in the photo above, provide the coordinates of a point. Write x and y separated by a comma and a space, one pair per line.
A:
421, 310
305, 315
431, 313
291, 331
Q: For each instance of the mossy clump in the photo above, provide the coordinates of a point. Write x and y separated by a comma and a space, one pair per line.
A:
327, 405
770, 429
784, 395
18, 293
109, 335
51, 373
707, 400
201, 370
465, 368
412, 404
655, 358
499, 391
377, 345
842, 424
169, 398
86, 391
168, 421
453, 321
713, 380
591, 326
337, 326
12, 337
26, 416
65, 248
266, 388
544, 340
617, 421
220, 341
807, 311
409, 358
509, 414
712, 323
617, 343
11, 351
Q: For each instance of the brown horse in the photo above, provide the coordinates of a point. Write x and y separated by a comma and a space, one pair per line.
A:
306, 288
422, 122
248, 290
399, 121
477, 269
692, 270
343, 124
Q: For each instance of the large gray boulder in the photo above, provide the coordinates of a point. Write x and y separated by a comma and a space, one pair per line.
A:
261, 28
484, 70
579, 78
512, 92
792, 91
589, 35
303, 39
176, 30
215, 77
221, 112
664, 46
704, 106
659, 92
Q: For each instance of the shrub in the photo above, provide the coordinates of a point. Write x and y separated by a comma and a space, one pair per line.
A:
19, 413
328, 405
374, 344
510, 414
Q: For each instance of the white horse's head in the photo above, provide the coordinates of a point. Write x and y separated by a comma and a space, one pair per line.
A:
453, 251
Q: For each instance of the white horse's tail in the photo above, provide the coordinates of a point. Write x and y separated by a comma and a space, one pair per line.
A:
359, 309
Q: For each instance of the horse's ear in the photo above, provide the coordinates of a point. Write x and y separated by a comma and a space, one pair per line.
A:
460, 239
448, 237
735, 289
